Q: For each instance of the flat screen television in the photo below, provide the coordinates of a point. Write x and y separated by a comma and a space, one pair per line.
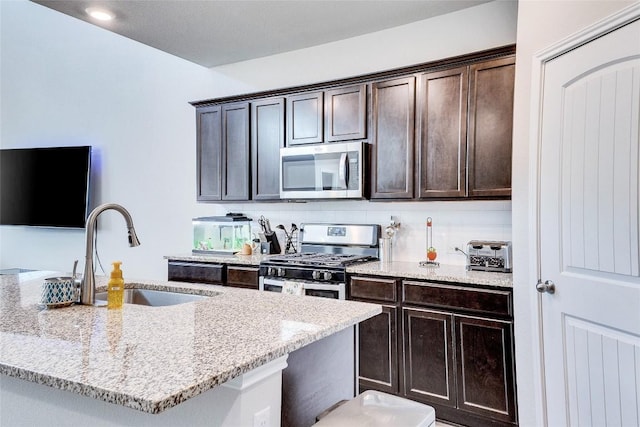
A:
45, 187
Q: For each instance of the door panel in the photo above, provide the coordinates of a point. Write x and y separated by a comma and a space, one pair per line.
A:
588, 231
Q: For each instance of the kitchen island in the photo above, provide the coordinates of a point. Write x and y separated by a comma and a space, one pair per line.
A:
194, 362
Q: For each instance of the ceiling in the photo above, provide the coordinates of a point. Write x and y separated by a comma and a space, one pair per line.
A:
217, 32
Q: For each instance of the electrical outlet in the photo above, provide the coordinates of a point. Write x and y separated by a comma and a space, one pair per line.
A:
262, 418
451, 249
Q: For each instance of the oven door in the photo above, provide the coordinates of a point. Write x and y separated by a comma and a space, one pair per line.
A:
315, 289
326, 171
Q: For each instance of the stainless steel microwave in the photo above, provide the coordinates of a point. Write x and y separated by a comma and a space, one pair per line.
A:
324, 171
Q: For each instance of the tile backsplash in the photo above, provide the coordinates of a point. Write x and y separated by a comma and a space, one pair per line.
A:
454, 223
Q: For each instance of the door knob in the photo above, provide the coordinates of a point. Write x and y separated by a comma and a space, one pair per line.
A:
548, 286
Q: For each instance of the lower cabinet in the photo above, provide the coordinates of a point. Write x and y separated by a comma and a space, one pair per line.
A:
447, 345
214, 274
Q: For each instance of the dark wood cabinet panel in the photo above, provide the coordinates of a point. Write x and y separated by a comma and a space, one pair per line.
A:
209, 153
491, 90
453, 297
235, 150
367, 288
305, 118
429, 365
378, 351
243, 277
267, 137
345, 113
485, 368
393, 118
442, 146
213, 274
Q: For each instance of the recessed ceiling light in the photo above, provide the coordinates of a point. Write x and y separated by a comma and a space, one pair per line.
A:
99, 14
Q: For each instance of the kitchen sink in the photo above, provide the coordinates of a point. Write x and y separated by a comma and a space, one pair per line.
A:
154, 298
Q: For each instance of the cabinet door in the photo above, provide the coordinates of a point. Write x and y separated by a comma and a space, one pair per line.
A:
267, 137
235, 149
442, 156
243, 277
345, 113
305, 118
491, 127
429, 368
209, 153
485, 368
378, 351
393, 139
194, 272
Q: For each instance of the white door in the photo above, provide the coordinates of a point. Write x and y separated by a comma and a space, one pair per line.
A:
588, 231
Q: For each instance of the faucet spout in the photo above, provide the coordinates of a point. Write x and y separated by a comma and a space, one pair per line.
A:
88, 283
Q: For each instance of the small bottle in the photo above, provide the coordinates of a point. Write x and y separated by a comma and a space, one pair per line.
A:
115, 288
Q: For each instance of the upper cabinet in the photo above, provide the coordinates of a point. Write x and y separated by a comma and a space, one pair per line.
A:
338, 114
209, 153
393, 138
267, 137
490, 127
235, 152
442, 148
345, 113
304, 118
437, 131
463, 127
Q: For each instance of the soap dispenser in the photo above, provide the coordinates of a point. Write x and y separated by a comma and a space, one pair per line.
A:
115, 288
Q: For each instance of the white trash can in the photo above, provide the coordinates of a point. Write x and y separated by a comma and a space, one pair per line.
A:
377, 409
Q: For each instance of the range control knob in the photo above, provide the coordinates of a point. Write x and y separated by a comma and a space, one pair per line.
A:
272, 271
315, 275
327, 275
282, 272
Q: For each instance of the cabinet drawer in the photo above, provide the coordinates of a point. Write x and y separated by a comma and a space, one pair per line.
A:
488, 301
243, 277
373, 289
196, 272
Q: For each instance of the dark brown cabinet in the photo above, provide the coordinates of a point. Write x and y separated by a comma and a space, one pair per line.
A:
345, 113
378, 336
442, 147
223, 152
243, 277
393, 117
305, 118
458, 352
439, 130
209, 149
235, 152
491, 127
237, 276
444, 344
338, 114
267, 137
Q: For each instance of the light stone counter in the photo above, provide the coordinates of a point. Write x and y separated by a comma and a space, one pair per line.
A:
220, 259
443, 273
153, 358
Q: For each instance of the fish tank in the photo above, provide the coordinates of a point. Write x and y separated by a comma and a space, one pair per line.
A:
221, 235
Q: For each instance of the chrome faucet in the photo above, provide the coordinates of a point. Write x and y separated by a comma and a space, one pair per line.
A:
88, 283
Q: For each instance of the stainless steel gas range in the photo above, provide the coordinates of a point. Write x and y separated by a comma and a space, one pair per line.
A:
320, 268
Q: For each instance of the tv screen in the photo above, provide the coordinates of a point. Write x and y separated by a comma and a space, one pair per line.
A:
46, 187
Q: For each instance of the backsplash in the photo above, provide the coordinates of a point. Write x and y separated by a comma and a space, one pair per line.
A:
454, 223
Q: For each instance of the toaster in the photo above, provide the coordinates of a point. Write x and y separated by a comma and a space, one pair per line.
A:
489, 256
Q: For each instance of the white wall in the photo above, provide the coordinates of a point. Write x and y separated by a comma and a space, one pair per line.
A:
540, 25
66, 82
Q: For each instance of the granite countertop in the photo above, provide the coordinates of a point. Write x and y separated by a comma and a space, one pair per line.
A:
443, 273
255, 259
399, 269
153, 358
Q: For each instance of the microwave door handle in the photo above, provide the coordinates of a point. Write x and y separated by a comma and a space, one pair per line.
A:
344, 170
